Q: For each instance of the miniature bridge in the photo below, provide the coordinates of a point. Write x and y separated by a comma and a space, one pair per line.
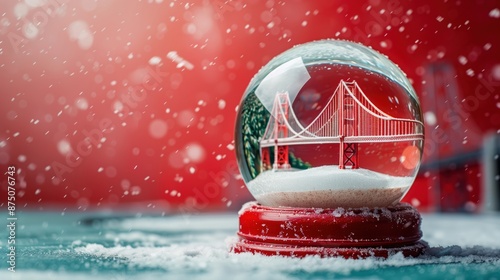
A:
348, 118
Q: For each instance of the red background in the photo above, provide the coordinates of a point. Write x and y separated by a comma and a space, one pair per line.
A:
69, 68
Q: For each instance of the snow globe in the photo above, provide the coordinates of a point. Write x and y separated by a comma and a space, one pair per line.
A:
329, 137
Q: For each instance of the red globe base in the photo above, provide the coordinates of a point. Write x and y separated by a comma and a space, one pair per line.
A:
350, 233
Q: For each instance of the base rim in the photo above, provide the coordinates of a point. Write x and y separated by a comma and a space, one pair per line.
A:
269, 249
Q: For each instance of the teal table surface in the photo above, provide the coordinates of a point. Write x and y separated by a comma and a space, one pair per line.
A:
97, 245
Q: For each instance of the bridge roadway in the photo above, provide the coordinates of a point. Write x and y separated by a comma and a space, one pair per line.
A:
300, 140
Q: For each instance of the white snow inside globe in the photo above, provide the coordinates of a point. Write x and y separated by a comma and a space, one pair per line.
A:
329, 124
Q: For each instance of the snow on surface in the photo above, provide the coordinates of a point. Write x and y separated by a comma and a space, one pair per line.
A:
197, 247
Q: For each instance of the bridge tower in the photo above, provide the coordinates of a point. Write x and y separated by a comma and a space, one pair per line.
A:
281, 131
265, 159
348, 152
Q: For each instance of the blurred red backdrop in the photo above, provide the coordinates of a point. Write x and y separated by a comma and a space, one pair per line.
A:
119, 103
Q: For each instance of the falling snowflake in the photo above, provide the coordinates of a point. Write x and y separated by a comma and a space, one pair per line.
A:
495, 13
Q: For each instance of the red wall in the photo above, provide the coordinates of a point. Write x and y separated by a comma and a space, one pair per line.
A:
82, 69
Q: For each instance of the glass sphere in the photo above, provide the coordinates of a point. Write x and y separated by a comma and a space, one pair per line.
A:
329, 124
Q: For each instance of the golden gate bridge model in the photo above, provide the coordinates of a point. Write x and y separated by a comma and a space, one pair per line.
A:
349, 118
